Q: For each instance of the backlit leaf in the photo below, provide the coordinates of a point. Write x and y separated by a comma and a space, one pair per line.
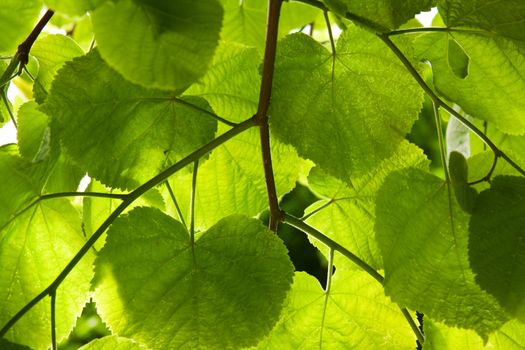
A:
497, 242
169, 45
335, 109
422, 234
154, 286
138, 130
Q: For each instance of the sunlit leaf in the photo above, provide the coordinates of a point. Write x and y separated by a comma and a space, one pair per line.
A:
154, 286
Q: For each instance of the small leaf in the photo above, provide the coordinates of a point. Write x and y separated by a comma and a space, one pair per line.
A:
51, 51
16, 21
458, 60
497, 242
458, 169
152, 285
169, 45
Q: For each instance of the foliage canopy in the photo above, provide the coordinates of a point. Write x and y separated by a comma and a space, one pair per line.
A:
193, 119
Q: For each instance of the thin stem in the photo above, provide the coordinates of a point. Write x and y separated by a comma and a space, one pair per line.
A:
437, 29
62, 195
330, 269
174, 200
192, 203
261, 117
53, 296
202, 110
419, 335
441, 141
130, 198
11, 115
489, 174
300, 225
309, 230
435, 98
316, 210
330, 34
120, 196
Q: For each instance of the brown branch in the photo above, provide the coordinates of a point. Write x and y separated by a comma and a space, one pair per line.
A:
261, 118
23, 49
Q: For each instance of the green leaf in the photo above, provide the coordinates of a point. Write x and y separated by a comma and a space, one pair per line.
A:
345, 317
422, 234
73, 7
16, 21
51, 51
457, 59
349, 213
458, 169
138, 131
367, 91
228, 85
380, 15
511, 336
154, 286
497, 242
494, 82
112, 342
232, 179
458, 137
34, 137
34, 248
7, 345
499, 17
169, 45
245, 21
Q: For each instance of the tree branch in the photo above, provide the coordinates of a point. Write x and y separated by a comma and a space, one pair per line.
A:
21, 57
261, 117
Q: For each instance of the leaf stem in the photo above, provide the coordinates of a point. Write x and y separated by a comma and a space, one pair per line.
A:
6, 102
309, 230
334, 246
438, 29
202, 110
261, 117
130, 198
174, 200
192, 204
437, 100
53, 296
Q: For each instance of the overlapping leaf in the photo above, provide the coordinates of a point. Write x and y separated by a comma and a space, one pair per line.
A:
382, 15
350, 213
231, 84
245, 21
137, 130
36, 242
16, 21
497, 242
422, 234
499, 17
51, 51
225, 292
73, 7
353, 314
511, 336
169, 45
335, 109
